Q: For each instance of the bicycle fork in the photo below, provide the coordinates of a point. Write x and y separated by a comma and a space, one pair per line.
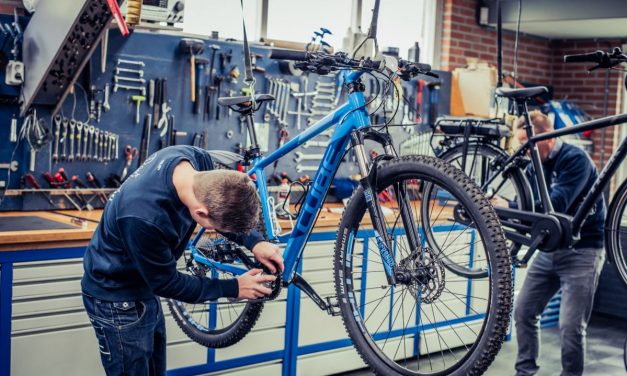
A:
369, 184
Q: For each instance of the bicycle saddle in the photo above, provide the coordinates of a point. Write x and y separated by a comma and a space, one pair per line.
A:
244, 101
528, 92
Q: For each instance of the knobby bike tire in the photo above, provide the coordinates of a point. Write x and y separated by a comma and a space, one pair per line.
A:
615, 243
497, 317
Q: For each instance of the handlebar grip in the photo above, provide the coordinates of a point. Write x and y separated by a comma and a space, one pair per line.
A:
423, 67
593, 57
281, 54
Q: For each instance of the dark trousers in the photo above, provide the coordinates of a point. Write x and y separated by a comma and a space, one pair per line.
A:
576, 272
131, 335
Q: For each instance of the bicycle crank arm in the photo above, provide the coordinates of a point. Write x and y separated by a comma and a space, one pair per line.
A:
330, 308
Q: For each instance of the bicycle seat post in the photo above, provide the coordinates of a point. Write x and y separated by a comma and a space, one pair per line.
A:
521, 105
250, 124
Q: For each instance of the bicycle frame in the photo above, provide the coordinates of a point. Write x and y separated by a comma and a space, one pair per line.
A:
591, 197
349, 117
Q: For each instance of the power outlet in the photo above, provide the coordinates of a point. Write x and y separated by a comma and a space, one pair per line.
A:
14, 73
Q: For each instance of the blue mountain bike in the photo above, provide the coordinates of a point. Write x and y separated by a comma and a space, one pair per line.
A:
404, 311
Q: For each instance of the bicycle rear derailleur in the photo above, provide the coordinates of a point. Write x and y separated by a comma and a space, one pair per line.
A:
227, 252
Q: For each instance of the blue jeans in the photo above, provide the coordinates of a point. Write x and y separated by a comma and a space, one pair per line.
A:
576, 272
131, 335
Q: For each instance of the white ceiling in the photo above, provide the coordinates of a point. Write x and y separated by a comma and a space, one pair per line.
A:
574, 29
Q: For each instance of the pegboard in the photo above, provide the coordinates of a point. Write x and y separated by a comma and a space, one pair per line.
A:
162, 58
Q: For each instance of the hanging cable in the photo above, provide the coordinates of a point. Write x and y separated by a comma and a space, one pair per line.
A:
516, 43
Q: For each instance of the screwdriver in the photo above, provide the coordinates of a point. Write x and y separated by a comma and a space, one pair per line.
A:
91, 179
76, 180
30, 179
62, 178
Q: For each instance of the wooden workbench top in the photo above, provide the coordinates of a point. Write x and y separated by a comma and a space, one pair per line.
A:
80, 235
37, 239
327, 221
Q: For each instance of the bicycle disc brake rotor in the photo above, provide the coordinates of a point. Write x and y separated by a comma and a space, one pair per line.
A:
425, 275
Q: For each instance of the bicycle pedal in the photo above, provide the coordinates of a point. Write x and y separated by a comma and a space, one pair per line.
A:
333, 307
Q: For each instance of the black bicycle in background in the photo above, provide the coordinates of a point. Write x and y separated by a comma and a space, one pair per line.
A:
545, 231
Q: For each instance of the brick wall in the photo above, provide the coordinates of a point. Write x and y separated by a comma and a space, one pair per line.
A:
540, 61
462, 37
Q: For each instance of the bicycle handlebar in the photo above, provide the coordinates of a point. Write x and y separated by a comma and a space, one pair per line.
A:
323, 63
409, 69
593, 57
602, 59
295, 55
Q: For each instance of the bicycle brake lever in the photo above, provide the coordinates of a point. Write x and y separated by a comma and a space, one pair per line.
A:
431, 74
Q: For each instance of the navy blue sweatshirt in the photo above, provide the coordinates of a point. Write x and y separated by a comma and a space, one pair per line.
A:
570, 174
144, 229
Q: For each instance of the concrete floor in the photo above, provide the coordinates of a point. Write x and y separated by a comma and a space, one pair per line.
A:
604, 357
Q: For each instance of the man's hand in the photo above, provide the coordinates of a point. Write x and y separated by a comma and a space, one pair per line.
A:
499, 201
253, 284
268, 254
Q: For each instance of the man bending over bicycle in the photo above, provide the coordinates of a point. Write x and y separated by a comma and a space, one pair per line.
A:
569, 173
131, 259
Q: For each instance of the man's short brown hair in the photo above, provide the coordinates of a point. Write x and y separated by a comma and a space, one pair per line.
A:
231, 199
541, 122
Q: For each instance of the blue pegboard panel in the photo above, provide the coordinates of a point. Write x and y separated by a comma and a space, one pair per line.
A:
162, 58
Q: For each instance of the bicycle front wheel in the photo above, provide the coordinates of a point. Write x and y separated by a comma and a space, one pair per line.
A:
434, 322
616, 232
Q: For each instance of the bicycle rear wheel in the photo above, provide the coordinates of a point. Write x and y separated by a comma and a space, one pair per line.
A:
513, 187
433, 323
219, 323
616, 232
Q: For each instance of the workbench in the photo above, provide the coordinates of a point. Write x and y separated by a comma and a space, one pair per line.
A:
41, 310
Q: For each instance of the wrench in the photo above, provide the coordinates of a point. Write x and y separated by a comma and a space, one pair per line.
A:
105, 146
279, 100
129, 79
111, 141
79, 135
322, 144
10, 166
106, 105
132, 62
300, 168
286, 104
140, 72
301, 157
315, 103
271, 91
101, 146
70, 157
64, 138
85, 139
324, 90
128, 87
95, 142
325, 85
319, 97
57, 132
92, 130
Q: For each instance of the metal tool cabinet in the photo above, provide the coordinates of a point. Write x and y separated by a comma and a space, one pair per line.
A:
41, 308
